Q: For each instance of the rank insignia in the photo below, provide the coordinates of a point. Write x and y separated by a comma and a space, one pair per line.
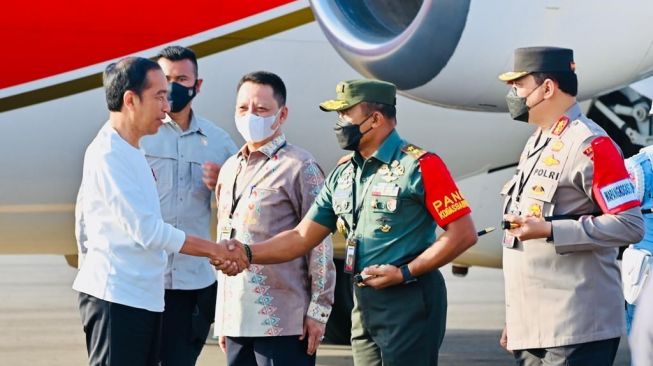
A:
535, 210
413, 150
560, 126
537, 189
385, 228
391, 205
589, 152
557, 145
551, 160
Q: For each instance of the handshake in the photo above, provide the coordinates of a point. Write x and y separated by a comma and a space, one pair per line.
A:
231, 257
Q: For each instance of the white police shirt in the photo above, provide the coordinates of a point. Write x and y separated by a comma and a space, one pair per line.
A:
127, 240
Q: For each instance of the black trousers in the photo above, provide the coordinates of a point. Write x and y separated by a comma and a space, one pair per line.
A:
119, 335
187, 318
268, 351
598, 353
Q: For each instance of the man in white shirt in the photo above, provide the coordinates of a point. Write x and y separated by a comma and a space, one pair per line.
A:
121, 280
176, 153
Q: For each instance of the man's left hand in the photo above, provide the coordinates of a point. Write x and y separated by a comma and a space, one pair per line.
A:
314, 330
383, 276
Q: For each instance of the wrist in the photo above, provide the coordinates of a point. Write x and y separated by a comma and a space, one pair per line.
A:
248, 252
406, 275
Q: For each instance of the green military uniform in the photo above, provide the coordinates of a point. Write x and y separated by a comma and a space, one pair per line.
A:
380, 204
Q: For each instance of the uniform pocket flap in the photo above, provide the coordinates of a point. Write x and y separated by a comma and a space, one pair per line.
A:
541, 189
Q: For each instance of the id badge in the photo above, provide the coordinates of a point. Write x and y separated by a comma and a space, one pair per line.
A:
508, 241
350, 256
226, 230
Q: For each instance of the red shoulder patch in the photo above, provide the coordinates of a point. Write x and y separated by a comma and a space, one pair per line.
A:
613, 190
442, 197
560, 126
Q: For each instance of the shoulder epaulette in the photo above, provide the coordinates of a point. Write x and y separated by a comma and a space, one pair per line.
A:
413, 151
345, 159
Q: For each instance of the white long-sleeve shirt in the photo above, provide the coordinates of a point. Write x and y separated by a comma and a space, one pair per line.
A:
127, 239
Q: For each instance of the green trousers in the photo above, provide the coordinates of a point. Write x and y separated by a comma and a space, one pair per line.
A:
400, 325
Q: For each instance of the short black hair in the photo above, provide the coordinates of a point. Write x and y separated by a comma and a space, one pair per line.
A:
130, 73
267, 78
567, 81
178, 53
387, 110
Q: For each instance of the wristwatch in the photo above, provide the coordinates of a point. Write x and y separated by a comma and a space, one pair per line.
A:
405, 273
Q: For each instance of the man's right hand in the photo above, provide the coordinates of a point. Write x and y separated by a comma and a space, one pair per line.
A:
503, 341
210, 171
222, 342
228, 259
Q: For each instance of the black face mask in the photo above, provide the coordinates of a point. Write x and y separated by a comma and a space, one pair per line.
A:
349, 135
179, 96
517, 105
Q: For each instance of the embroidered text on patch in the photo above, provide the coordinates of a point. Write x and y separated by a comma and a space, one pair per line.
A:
618, 193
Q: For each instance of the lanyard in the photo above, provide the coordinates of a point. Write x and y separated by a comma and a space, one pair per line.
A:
236, 198
523, 179
357, 208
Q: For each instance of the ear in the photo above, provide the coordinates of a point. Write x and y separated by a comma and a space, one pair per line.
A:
198, 86
283, 115
129, 99
550, 88
377, 117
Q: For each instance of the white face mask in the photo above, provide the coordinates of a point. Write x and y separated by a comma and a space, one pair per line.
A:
255, 128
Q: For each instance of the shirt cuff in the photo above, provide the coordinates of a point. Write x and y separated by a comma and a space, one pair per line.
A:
318, 312
177, 240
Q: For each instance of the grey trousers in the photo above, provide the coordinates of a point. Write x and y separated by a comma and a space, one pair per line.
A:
598, 353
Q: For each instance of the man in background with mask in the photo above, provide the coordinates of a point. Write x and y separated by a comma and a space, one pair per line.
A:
386, 199
176, 154
568, 208
277, 314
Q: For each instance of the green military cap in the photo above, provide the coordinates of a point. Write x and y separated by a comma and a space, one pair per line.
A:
540, 59
351, 92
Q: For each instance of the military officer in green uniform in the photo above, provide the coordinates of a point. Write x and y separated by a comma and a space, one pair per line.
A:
386, 199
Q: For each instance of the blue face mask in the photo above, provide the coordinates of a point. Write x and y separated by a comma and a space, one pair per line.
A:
179, 96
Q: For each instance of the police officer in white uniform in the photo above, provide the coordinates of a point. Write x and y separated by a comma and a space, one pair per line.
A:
568, 208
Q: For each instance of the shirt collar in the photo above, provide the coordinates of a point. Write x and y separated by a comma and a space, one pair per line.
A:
268, 149
193, 126
574, 112
387, 150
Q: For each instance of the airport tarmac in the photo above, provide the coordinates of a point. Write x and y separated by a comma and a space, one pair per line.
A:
40, 326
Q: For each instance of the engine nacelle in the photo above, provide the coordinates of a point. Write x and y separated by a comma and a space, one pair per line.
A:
449, 53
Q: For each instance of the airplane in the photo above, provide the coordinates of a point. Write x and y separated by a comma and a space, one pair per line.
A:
444, 57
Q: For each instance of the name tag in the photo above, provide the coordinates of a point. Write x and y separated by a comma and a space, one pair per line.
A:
618, 193
226, 230
385, 189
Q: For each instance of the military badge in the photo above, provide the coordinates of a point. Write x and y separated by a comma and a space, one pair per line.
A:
550, 161
391, 205
385, 228
535, 210
557, 145
346, 178
537, 189
341, 226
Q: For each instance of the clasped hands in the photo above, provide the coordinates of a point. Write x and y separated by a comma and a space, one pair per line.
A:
229, 257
